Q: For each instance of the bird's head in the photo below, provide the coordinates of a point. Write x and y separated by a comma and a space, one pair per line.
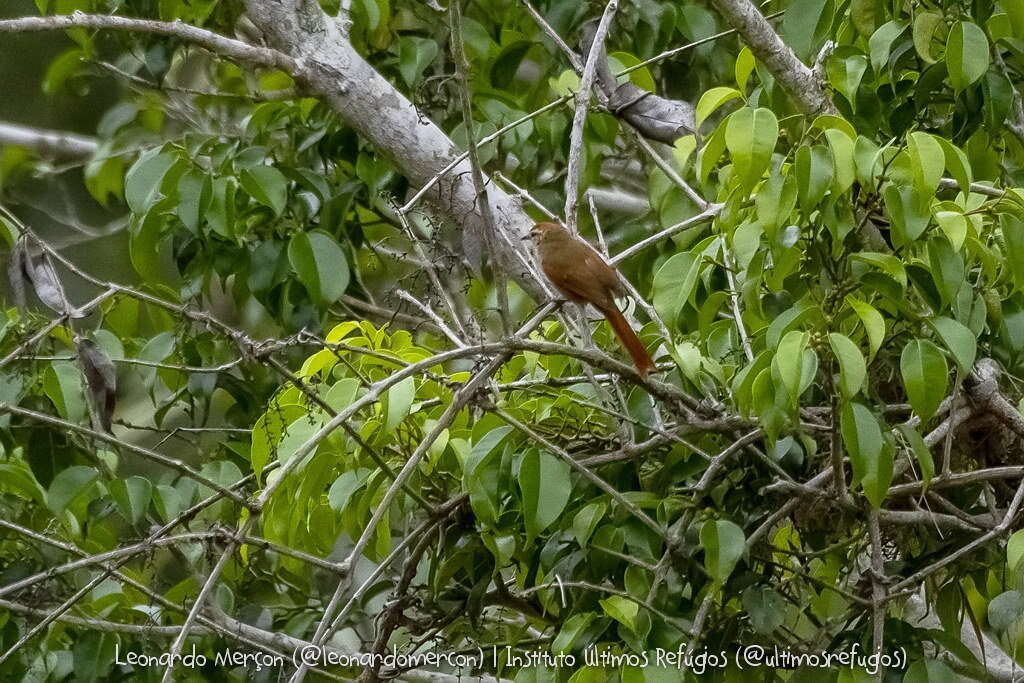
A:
546, 232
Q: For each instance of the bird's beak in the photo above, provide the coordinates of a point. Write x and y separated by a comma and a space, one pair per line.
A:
525, 237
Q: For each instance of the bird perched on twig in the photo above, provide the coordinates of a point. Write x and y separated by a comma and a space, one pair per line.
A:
579, 272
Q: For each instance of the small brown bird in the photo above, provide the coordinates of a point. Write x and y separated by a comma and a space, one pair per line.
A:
583, 277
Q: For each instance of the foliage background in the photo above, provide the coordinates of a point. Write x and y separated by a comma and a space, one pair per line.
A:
341, 415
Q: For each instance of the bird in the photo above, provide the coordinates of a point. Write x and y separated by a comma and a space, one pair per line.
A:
581, 275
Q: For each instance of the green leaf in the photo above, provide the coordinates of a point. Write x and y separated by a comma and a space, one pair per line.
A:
813, 174
62, 384
507, 64
94, 655
803, 23
571, 630
866, 156
862, 16
887, 263
724, 544
266, 185
712, 100
68, 485
765, 607
922, 453
844, 170
621, 609
640, 77
674, 284
925, 376
908, 211
947, 268
132, 496
1015, 549
1013, 237
925, 24
414, 56
16, 478
142, 184
320, 265
745, 64
682, 149
960, 341
880, 43
1006, 611
869, 455
927, 161
967, 54
845, 74
954, 226
481, 476
167, 501
398, 401
62, 68
750, 137
852, 368
789, 361
874, 323
545, 485
194, 194
958, 164
586, 521
346, 486
711, 152
221, 215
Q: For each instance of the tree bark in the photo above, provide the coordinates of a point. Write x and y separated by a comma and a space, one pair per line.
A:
370, 104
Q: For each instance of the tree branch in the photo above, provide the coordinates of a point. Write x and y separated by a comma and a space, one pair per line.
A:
796, 78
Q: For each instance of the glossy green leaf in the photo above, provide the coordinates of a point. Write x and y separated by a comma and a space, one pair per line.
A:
68, 485
586, 521
967, 54
960, 341
266, 185
852, 369
144, 178
954, 226
880, 43
844, 170
1013, 236
320, 265
674, 284
545, 486
925, 376
398, 401
789, 361
845, 74
723, 543
132, 496
621, 609
711, 100
813, 174
750, 137
927, 161
869, 454
874, 323
925, 24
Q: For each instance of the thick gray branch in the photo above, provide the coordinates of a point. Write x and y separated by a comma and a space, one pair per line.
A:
377, 111
796, 78
57, 145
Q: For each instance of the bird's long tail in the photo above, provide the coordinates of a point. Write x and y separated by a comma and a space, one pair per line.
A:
630, 341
